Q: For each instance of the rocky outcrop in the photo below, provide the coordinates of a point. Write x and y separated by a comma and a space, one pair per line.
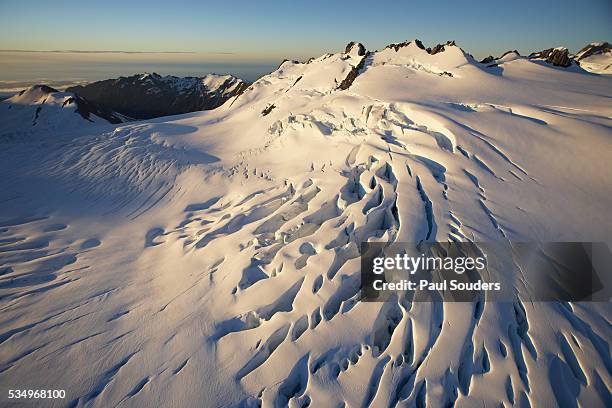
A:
593, 49
355, 47
348, 81
86, 108
440, 47
267, 109
397, 46
557, 56
145, 96
488, 60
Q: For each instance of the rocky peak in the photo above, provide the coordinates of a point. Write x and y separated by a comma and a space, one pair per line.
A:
397, 46
39, 89
440, 47
593, 49
355, 48
557, 56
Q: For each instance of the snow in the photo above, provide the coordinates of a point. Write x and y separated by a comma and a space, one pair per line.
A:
36, 111
598, 63
213, 81
211, 258
508, 57
595, 58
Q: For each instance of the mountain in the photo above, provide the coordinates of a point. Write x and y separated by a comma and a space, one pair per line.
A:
595, 57
146, 96
556, 56
42, 109
212, 259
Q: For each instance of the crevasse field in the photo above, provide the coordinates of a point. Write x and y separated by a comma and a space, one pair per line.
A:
212, 259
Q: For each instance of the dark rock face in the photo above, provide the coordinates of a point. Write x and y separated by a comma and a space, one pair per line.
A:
397, 46
86, 108
419, 44
352, 75
360, 48
267, 110
487, 60
557, 56
440, 47
151, 95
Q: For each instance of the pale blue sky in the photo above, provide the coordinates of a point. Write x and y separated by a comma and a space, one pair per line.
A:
267, 31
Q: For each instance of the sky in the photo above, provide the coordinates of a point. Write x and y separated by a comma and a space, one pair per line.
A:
184, 37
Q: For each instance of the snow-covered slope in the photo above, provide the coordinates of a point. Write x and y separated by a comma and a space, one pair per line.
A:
152, 95
211, 259
596, 57
41, 109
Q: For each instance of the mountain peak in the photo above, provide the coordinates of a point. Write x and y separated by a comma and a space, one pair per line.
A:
593, 48
42, 109
355, 48
441, 47
397, 46
558, 56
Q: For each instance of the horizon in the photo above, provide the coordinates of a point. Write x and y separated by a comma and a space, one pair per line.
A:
38, 41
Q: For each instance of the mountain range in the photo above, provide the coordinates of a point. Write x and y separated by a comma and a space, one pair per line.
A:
146, 96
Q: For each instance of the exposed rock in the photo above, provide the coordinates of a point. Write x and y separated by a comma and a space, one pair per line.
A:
397, 46
440, 47
348, 81
355, 47
267, 110
593, 49
488, 60
557, 56
85, 108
